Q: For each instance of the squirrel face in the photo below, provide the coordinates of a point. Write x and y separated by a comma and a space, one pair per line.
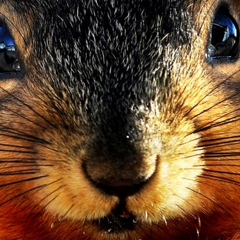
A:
120, 120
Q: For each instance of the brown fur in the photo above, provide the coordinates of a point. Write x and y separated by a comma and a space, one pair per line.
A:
188, 152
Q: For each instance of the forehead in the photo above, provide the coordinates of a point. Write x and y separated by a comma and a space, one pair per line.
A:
174, 10
111, 15
116, 8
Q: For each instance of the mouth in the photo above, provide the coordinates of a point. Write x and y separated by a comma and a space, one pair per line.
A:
119, 221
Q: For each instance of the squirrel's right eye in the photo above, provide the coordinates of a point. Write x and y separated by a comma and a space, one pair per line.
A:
224, 37
9, 62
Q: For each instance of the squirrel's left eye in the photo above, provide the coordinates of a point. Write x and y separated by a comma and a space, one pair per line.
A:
9, 62
224, 38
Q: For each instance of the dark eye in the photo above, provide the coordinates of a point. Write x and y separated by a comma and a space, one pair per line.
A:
224, 38
9, 62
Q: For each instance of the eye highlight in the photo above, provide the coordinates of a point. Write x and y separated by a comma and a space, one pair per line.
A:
224, 37
9, 62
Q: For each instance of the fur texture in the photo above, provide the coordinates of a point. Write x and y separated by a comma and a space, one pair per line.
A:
121, 127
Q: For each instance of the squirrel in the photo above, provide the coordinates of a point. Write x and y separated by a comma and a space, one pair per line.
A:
119, 120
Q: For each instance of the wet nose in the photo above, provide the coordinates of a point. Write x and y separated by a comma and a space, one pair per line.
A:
123, 180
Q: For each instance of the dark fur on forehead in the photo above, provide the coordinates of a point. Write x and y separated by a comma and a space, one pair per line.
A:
114, 29
107, 51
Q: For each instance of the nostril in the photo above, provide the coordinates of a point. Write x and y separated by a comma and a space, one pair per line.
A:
120, 178
121, 191
122, 183
113, 184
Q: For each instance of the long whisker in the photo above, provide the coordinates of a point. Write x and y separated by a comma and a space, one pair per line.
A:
22, 181
220, 178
